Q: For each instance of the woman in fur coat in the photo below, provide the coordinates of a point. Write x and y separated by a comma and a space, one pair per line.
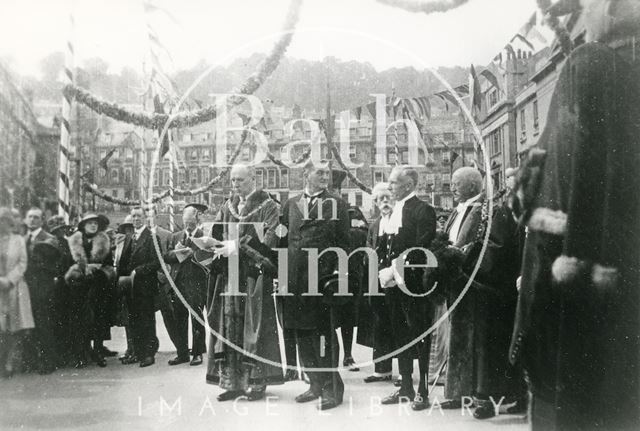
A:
91, 280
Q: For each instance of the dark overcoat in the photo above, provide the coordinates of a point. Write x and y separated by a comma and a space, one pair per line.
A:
321, 230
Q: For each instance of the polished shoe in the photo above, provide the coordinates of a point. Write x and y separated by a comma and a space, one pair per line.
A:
307, 396
229, 395
451, 404
130, 360
125, 355
80, 364
291, 375
149, 360
178, 360
518, 408
374, 378
420, 402
327, 403
101, 362
397, 383
197, 360
349, 363
485, 411
398, 397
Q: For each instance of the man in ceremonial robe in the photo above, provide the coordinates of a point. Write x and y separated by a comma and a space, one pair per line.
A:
577, 331
241, 306
481, 322
412, 224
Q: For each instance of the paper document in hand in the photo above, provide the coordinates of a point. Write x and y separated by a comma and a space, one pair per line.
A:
207, 243
183, 253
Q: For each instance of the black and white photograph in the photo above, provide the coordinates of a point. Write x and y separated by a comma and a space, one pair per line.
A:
366, 215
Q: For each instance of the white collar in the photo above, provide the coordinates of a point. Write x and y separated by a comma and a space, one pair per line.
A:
306, 190
139, 231
406, 198
35, 233
465, 204
384, 224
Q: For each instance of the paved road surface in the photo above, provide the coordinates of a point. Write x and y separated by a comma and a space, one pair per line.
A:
160, 397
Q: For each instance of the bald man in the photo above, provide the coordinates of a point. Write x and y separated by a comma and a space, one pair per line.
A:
191, 281
481, 323
244, 313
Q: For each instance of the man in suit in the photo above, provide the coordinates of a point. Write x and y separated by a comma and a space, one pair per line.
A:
412, 224
191, 281
140, 261
577, 331
42, 268
481, 323
317, 220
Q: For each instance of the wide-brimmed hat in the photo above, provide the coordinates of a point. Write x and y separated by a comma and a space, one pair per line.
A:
199, 207
102, 220
55, 223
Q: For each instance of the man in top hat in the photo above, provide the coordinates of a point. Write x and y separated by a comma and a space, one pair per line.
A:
577, 331
191, 281
42, 268
318, 220
140, 262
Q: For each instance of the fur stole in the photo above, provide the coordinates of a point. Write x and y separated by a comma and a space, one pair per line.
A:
100, 248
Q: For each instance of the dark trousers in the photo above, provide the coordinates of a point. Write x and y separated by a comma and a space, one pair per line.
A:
382, 335
79, 324
44, 336
289, 336
319, 348
179, 332
142, 325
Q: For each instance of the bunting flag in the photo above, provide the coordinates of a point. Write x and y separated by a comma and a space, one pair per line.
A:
64, 204
163, 92
103, 162
358, 113
474, 90
418, 108
392, 109
371, 109
489, 76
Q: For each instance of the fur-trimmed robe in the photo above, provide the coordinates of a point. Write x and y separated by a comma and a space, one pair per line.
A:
100, 254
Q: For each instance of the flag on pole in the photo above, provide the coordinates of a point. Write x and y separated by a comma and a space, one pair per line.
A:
474, 89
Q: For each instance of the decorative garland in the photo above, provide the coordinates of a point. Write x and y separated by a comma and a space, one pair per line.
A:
424, 7
180, 192
191, 118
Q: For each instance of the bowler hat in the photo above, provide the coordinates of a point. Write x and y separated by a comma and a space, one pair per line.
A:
56, 222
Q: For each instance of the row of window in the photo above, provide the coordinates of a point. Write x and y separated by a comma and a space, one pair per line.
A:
523, 120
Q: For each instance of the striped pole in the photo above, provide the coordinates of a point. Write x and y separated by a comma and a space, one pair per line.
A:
171, 203
395, 126
64, 209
